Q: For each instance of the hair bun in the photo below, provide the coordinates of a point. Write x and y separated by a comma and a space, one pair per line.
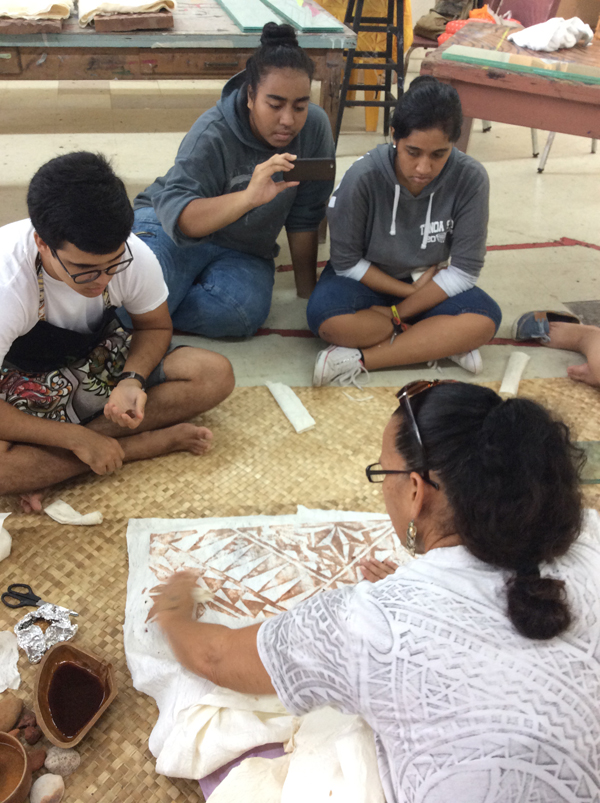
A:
274, 35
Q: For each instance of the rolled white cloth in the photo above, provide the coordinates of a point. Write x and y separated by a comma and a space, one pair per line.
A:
64, 514
291, 406
513, 373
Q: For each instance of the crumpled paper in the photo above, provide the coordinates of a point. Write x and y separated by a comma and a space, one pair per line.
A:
32, 638
64, 514
9, 656
554, 34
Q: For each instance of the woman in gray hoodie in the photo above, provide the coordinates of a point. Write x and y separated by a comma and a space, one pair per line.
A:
214, 219
413, 204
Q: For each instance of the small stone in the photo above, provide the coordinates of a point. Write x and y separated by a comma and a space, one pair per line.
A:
47, 789
10, 711
27, 719
36, 758
32, 734
62, 761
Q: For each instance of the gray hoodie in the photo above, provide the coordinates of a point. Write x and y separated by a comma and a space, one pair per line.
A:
218, 156
374, 218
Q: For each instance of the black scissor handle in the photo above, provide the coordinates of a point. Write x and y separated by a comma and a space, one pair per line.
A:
22, 594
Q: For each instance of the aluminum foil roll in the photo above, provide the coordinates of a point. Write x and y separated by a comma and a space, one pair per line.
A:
32, 638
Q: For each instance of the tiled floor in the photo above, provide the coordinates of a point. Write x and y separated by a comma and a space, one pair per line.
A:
140, 125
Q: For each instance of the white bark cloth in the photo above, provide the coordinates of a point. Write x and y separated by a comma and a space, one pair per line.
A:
36, 9
88, 9
554, 34
255, 567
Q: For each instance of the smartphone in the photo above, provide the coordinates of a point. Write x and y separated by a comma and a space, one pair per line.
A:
311, 170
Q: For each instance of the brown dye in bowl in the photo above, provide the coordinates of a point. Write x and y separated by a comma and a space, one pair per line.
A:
73, 688
75, 694
11, 769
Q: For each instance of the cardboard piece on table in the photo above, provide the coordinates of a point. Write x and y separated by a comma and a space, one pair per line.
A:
152, 20
249, 15
306, 15
14, 27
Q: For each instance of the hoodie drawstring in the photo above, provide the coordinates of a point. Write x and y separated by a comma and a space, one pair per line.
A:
427, 223
395, 209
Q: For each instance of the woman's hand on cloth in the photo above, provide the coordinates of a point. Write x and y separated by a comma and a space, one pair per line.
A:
126, 404
374, 570
175, 597
262, 189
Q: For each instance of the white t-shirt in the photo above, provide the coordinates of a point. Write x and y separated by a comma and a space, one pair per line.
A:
464, 709
140, 288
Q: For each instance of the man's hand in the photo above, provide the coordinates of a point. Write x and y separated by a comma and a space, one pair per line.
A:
126, 404
102, 454
174, 598
262, 189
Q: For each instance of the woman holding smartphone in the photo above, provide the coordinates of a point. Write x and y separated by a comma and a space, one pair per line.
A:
214, 219
415, 203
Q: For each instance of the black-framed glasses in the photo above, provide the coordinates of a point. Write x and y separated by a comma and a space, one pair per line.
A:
375, 474
404, 396
92, 275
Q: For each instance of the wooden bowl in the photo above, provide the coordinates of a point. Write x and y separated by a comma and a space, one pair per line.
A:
15, 770
67, 653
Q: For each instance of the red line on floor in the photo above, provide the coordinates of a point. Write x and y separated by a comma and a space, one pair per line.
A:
306, 333
563, 242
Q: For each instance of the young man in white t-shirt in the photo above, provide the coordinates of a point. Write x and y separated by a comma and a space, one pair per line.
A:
76, 391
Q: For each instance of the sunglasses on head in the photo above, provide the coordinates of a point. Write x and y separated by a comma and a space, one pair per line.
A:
404, 396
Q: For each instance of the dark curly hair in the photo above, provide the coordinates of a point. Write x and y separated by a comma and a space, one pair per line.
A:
511, 477
428, 104
278, 49
77, 198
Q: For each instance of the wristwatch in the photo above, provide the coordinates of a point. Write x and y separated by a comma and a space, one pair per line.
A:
133, 375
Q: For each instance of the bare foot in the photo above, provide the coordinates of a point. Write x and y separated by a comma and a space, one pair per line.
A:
566, 336
32, 502
188, 438
582, 373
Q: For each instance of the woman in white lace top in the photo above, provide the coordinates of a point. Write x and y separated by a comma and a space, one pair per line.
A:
477, 665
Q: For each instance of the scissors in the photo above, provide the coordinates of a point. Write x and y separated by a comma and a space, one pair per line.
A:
20, 595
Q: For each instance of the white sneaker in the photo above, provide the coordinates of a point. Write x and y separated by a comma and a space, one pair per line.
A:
469, 360
339, 365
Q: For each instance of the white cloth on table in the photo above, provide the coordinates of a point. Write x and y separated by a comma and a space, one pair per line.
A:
554, 34
36, 9
462, 706
88, 9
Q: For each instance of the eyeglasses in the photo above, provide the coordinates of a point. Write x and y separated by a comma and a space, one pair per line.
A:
92, 275
404, 395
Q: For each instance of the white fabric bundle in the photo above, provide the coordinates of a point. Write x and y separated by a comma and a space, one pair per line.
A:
554, 34
88, 9
9, 656
513, 373
64, 514
5, 539
291, 406
36, 9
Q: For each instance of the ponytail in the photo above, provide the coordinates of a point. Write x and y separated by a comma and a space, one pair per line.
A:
511, 477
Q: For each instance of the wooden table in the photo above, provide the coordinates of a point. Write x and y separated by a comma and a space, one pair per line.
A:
205, 43
551, 104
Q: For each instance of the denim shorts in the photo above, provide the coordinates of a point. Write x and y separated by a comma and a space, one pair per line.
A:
336, 295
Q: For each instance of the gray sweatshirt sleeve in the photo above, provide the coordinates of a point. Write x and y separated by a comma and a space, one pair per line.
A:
189, 179
348, 215
311, 197
470, 213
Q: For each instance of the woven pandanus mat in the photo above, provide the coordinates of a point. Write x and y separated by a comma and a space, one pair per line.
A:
259, 465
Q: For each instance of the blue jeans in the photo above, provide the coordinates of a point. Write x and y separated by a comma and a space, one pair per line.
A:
336, 295
213, 291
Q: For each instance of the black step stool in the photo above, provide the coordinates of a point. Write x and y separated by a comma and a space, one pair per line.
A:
354, 17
